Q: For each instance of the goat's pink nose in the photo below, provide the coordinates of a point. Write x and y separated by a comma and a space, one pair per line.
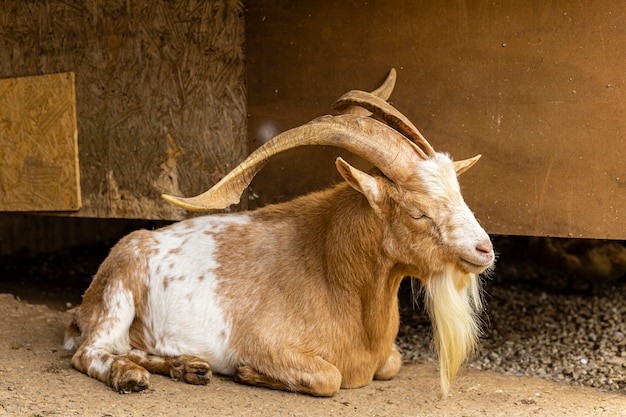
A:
485, 247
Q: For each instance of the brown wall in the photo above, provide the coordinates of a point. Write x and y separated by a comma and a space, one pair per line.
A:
536, 87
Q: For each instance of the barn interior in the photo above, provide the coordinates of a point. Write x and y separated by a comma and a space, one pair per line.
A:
104, 106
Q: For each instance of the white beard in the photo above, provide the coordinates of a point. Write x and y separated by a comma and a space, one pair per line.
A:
454, 304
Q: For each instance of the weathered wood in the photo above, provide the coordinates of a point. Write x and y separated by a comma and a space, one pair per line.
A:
537, 88
160, 92
38, 146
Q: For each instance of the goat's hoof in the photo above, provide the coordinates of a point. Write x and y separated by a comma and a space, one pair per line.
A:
127, 377
192, 370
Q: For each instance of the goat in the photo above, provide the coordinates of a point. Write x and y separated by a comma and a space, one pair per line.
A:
298, 296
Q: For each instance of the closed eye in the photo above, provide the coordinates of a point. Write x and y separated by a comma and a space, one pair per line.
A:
419, 216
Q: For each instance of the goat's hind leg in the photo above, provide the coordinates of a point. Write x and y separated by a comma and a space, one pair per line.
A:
117, 371
190, 369
103, 354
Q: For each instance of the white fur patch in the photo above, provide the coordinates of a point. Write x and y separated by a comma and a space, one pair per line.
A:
439, 176
112, 333
183, 314
457, 224
96, 365
70, 343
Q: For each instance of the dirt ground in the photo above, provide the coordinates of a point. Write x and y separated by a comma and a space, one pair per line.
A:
36, 379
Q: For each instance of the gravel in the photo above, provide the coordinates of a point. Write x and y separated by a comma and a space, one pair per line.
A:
540, 322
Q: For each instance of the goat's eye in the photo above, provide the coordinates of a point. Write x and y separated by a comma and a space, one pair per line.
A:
418, 215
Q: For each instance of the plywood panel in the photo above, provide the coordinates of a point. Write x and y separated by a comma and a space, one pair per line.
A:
537, 87
160, 92
38, 144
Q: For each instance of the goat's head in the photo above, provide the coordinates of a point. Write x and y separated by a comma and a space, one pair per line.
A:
427, 225
429, 232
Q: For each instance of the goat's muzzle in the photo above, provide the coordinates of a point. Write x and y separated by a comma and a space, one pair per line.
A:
479, 259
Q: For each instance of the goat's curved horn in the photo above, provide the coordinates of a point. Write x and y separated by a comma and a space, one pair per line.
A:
388, 113
384, 91
351, 132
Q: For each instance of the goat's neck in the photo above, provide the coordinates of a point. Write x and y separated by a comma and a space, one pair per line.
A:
361, 272
340, 234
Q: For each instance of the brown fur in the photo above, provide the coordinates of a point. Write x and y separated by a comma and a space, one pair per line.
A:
309, 288
336, 303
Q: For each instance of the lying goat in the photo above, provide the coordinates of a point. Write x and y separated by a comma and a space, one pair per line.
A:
299, 296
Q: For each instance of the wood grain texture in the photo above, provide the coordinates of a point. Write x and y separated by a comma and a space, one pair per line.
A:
160, 89
537, 88
38, 146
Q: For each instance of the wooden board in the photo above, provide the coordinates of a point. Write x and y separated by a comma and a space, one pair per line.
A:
538, 88
160, 93
38, 144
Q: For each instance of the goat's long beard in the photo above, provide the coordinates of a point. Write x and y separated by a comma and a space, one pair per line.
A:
454, 303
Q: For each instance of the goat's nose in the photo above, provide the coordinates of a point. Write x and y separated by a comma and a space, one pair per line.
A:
485, 248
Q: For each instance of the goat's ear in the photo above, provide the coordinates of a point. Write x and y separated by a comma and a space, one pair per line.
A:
462, 166
360, 181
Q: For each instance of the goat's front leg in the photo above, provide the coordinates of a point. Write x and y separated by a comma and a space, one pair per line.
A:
314, 376
190, 369
390, 368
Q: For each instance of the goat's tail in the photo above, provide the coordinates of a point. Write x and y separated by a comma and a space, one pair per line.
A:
454, 304
73, 335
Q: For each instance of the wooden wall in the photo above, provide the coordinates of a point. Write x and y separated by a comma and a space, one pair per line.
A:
537, 87
160, 92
